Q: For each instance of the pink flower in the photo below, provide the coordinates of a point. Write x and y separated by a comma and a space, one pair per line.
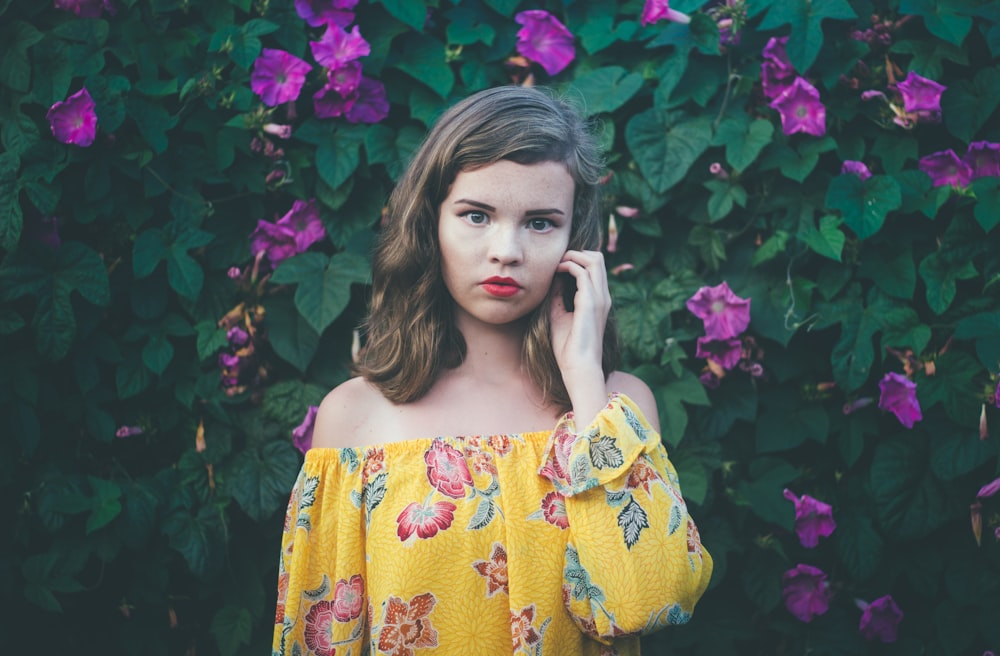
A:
372, 105
544, 40
229, 361
292, 234
425, 521
857, 168
806, 592
237, 336
329, 12
627, 212
724, 352
776, 70
920, 94
86, 8
812, 519
899, 396
983, 159
345, 79
724, 314
554, 510
278, 76
278, 130
328, 102
612, 234
656, 10
945, 168
880, 619
337, 46
989, 490
319, 628
348, 598
74, 121
800, 109
715, 168
446, 470
302, 435
128, 431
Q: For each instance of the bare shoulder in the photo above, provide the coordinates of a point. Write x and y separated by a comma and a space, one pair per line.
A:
345, 414
634, 388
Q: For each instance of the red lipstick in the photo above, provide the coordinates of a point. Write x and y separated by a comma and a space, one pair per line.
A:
501, 287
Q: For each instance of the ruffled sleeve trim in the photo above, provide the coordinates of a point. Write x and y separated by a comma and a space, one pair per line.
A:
603, 451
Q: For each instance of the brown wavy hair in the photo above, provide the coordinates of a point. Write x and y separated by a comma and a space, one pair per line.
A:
410, 332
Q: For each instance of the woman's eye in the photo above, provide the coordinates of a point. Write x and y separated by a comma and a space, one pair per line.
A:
477, 218
540, 224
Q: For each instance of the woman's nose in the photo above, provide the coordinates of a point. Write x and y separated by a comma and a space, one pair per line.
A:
505, 245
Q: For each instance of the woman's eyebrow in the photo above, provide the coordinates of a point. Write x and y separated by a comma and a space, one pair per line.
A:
490, 208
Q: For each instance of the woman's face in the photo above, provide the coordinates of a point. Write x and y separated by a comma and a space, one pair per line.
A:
502, 230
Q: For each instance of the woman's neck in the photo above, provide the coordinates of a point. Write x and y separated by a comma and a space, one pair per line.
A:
493, 353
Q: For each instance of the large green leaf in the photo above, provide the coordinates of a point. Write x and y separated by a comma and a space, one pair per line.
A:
987, 210
864, 204
606, 89
966, 106
743, 138
105, 504
911, 502
324, 285
639, 310
15, 68
666, 145
424, 59
786, 422
891, 267
957, 454
231, 628
858, 544
940, 19
337, 159
828, 240
805, 18
260, 479
198, 537
940, 274
955, 385
928, 55
762, 490
293, 338
411, 12
11, 214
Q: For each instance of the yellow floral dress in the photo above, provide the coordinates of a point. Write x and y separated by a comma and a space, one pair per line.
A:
544, 543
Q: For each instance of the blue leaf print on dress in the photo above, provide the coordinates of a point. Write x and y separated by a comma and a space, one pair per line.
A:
632, 519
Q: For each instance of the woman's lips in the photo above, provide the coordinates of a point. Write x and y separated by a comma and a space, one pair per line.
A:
501, 287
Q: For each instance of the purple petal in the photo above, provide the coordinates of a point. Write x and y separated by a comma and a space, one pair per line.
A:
920, 93
544, 40
800, 109
945, 168
983, 159
74, 120
338, 47
725, 352
805, 591
304, 222
302, 434
278, 76
724, 314
880, 619
326, 12
856, 168
899, 396
372, 105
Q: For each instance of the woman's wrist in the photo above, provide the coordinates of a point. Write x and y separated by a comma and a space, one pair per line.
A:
587, 392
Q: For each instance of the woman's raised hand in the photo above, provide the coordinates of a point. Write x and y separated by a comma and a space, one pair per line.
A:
578, 336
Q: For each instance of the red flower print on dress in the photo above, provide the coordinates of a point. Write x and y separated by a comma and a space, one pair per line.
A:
319, 629
556, 466
554, 510
279, 611
374, 464
407, 626
446, 470
348, 597
425, 521
641, 475
494, 570
694, 539
482, 461
522, 633
500, 444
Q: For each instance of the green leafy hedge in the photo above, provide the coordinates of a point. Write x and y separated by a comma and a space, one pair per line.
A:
147, 448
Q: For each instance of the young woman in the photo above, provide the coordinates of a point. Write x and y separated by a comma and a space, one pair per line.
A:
489, 484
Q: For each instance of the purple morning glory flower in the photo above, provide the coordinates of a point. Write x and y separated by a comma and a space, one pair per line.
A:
989, 489
372, 105
302, 435
326, 12
656, 10
724, 352
983, 159
880, 619
856, 168
945, 168
777, 71
899, 396
544, 40
345, 78
806, 592
800, 109
724, 314
237, 336
290, 235
74, 120
338, 46
328, 102
920, 94
278, 76
813, 519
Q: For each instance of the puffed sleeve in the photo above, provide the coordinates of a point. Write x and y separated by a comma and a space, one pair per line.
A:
322, 600
634, 562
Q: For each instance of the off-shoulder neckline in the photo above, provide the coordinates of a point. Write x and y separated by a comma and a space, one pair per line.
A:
421, 444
